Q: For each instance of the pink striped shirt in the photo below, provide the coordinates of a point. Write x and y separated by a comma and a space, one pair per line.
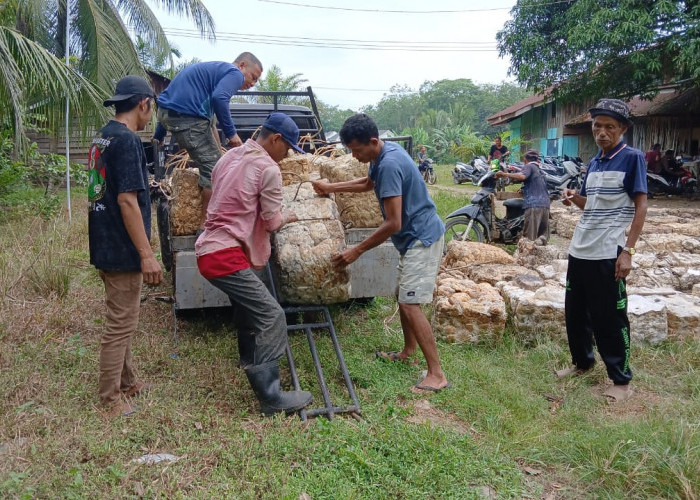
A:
246, 204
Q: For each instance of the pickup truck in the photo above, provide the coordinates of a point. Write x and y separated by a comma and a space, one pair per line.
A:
373, 275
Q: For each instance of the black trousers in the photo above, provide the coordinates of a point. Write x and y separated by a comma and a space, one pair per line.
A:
596, 308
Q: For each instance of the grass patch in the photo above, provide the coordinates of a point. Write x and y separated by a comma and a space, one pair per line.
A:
507, 428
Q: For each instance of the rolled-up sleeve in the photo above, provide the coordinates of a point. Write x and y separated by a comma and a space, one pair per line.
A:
271, 199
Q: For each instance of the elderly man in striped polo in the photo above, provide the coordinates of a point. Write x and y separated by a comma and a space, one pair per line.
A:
613, 197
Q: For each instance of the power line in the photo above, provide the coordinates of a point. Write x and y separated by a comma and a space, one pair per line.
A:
349, 44
354, 90
387, 11
421, 12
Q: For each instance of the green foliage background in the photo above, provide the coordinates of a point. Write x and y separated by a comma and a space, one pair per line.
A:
589, 48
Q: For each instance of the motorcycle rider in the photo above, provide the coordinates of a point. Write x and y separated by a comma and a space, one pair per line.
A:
536, 223
497, 150
422, 159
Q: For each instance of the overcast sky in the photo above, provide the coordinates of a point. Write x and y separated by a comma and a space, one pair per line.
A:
459, 33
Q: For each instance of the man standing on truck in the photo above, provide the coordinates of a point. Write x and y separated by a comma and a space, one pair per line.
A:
613, 196
119, 229
246, 206
187, 107
412, 222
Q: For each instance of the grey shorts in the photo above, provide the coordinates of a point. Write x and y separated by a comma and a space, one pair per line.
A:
194, 134
418, 269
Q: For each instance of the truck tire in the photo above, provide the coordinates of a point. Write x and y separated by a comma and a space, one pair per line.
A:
163, 218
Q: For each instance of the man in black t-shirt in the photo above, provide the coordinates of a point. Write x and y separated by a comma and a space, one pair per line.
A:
497, 150
119, 229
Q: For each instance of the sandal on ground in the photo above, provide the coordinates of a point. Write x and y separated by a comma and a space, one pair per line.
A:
395, 356
136, 389
120, 409
618, 393
570, 370
422, 389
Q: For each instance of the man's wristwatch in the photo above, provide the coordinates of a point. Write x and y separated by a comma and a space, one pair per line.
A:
629, 250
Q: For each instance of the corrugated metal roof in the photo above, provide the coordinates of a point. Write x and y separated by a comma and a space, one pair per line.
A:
518, 108
669, 101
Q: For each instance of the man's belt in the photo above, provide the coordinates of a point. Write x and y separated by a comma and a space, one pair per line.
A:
175, 114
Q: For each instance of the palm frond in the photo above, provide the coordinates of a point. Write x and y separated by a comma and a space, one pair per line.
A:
33, 79
192, 9
139, 17
106, 51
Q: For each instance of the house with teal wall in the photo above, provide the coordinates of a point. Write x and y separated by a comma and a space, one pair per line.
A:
672, 119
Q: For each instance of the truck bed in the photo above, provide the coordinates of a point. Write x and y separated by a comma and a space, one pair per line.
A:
374, 274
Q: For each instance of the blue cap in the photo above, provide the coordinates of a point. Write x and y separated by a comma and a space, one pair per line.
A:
283, 124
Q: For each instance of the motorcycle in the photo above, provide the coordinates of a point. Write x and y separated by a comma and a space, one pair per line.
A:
659, 185
566, 175
427, 171
470, 172
478, 222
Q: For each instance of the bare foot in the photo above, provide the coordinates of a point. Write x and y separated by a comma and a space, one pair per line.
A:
431, 383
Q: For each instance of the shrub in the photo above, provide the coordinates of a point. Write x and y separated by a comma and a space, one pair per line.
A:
49, 170
12, 174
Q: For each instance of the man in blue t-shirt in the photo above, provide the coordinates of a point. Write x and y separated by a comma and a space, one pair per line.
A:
412, 222
119, 229
187, 107
613, 196
536, 203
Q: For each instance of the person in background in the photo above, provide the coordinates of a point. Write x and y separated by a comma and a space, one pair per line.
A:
246, 206
497, 151
412, 222
422, 159
187, 107
536, 224
670, 168
653, 159
613, 197
119, 230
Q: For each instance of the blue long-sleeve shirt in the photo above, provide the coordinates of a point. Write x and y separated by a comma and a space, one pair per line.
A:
203, 89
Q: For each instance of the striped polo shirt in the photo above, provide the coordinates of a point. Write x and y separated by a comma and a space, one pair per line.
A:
611, 182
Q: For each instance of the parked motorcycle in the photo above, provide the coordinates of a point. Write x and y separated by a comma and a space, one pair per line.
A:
659, 185
470, 172
567, 174
427, 171
478, 222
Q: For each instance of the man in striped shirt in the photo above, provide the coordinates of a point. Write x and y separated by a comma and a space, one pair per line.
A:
613, 197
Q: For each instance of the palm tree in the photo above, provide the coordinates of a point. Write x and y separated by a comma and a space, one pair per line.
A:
33, 39
274, 80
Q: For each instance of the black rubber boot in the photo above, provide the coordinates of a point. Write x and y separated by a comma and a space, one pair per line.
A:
265, 381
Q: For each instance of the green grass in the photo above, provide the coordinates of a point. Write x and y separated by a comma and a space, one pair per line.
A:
507, 427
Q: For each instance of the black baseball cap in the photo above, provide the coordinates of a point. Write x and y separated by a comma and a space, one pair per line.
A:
129, 86
283, 124
614, 108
